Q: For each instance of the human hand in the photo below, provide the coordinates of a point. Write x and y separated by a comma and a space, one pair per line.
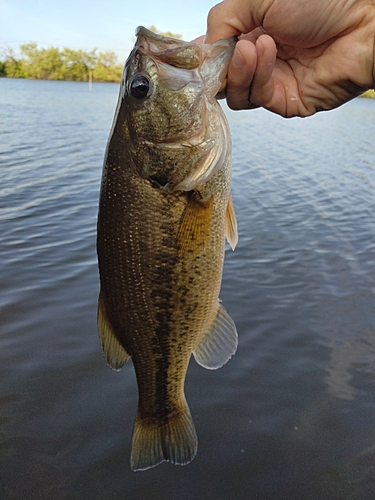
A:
296, 57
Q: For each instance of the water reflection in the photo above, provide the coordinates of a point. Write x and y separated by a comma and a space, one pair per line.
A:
348, 356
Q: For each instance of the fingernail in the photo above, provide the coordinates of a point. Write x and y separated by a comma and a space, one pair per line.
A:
238, 60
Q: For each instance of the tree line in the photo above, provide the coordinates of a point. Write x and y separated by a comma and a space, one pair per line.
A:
64, 64
60, 64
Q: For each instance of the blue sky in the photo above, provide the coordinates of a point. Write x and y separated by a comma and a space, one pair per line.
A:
89, 24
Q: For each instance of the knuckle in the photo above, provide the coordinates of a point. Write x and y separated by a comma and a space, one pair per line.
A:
212, 15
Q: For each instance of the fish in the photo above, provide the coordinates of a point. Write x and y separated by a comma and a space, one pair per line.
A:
165, 210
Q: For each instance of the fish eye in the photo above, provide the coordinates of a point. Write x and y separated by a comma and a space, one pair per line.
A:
139, 86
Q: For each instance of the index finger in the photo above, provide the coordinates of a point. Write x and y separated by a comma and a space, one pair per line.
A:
234, 17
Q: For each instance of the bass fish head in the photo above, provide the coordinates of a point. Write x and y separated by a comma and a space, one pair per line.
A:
168, 90
166, 81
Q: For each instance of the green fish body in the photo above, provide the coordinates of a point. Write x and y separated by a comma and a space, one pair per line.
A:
165, 209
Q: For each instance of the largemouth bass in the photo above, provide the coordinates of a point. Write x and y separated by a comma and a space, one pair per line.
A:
165, 209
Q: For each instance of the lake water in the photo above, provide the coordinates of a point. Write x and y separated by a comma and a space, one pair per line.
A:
292, 415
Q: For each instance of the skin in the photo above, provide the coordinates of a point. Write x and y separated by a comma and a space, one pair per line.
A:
296, 57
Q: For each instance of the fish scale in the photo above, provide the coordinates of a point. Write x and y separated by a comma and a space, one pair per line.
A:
161, 244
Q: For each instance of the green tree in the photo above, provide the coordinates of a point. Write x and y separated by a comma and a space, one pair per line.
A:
43, 64
12, 67
369, 93
30, 60
165, 33
78, 63
52, 67
107, 69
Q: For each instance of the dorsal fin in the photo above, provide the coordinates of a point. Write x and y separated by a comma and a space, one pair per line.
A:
219, 343
231, 232
195, 225
114, 353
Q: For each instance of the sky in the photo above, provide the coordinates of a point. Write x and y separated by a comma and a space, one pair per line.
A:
89, 24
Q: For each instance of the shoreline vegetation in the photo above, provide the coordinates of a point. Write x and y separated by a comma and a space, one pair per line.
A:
369, 93
60, 64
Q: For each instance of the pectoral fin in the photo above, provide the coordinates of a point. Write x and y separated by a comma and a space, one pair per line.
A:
231, 232
114, 353
219, 343
195, 226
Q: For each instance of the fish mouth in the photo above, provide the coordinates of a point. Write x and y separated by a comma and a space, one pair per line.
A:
211, 59
171, 51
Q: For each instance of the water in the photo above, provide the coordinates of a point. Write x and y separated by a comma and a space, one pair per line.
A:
292, 415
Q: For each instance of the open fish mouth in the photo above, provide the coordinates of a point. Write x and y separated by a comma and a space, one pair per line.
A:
177, 53
170, 54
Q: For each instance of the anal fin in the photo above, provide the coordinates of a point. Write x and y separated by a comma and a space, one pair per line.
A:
231, 231
114, 353
219, 343
195, 225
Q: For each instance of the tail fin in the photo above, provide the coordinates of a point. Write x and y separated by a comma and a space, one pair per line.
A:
175, 442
